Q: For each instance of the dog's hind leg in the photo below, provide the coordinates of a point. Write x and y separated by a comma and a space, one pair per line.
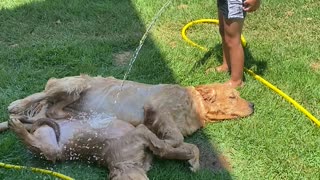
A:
21, 105
28, 109
66, 90
184, 151
48, 147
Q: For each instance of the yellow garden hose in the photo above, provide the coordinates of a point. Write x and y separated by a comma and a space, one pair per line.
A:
259, 78
44, 171
201, 21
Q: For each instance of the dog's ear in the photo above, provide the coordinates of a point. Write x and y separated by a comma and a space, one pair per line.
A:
208, 93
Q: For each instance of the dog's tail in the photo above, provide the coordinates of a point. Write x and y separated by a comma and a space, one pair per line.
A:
49, 122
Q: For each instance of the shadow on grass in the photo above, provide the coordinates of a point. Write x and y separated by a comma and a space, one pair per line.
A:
58, 38
258, 66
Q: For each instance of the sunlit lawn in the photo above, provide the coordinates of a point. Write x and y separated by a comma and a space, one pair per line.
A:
40, 39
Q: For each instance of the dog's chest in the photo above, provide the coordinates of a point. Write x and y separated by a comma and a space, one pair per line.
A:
126, 104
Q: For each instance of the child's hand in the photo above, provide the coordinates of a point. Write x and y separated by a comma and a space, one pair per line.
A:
251, 5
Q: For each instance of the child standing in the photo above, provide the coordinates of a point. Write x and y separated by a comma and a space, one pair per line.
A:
231, 17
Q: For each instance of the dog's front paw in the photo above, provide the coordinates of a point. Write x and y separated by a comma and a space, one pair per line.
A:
194, 162
195, 165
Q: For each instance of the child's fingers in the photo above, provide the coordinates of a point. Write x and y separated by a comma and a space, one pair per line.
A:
245, 3
247, 9
250, 6
246, 6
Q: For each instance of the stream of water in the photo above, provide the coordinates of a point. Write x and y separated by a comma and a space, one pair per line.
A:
136, 52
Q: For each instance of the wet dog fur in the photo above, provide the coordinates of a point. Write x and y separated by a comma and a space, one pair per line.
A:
180, 111
124, 149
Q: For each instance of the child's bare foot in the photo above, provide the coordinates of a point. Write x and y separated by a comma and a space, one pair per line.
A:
235, 84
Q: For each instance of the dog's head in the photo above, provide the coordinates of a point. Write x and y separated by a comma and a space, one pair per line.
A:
223, 102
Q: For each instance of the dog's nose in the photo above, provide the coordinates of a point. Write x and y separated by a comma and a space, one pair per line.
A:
251, 105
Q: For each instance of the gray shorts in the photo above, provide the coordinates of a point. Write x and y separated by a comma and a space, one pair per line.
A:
232, 9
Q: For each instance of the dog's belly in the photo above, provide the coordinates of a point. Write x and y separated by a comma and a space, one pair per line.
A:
95, 128
126, 104
81, 138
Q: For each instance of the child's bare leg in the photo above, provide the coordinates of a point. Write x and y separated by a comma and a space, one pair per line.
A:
232, 45
225, 66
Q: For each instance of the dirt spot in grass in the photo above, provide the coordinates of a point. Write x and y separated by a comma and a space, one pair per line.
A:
173, 44
183, 6
315, 66
122, 58
289, 14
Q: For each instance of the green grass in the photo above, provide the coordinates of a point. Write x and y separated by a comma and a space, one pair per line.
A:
40, 39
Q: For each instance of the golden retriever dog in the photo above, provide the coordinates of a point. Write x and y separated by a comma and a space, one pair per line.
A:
103, 139
180, 111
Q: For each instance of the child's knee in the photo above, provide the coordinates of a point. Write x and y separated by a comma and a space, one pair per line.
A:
232, 41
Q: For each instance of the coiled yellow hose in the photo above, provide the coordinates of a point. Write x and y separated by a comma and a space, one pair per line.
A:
260, 79
44, 171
